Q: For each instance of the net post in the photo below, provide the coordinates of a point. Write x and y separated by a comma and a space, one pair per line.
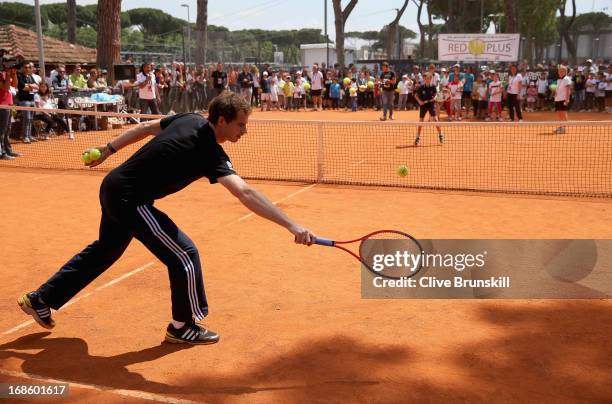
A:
320, 153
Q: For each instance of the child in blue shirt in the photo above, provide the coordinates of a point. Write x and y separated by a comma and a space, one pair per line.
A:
334, 93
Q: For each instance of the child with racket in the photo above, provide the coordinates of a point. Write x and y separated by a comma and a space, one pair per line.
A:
425, 96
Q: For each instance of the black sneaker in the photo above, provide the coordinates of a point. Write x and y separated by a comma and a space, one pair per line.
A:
30, 304
441, 137
191, 333
417, 141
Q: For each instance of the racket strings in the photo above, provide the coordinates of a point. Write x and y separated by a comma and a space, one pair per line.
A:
391, 254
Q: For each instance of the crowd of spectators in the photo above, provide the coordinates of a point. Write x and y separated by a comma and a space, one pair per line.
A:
463, 91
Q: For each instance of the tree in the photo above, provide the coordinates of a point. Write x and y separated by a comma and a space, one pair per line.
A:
201, 32
430, 30
538, 25
596, 22
463, 15
340, 21
155, 22
108, 42
510, 16
421, 29
72, 21
564, 28
393, 33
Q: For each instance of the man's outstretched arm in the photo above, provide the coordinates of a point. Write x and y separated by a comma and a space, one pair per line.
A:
132, 135
260, 205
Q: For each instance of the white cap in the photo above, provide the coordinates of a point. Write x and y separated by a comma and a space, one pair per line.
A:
589, 61
265, 73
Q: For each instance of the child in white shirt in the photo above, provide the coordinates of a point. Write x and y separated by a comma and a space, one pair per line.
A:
456, 91
542, 88
495, 97
600, 93
591, 89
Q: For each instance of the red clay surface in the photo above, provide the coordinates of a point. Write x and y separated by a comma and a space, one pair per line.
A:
292, 322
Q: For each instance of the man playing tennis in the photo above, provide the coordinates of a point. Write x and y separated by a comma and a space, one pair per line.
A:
426, 97
184, 148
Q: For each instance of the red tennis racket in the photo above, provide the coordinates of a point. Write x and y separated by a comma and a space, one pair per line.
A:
384, 243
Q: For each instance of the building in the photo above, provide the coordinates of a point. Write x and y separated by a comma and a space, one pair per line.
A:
23, 44
590, 44
317, 53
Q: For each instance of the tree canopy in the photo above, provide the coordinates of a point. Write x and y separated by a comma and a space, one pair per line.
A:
152, 30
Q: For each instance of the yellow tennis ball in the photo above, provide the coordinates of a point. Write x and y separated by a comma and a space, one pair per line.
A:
86, 158
94, 154
402, 171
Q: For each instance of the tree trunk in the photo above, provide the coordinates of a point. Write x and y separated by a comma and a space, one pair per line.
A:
509, 13
421, 30
564, 29
201, 32
452, 18
430, 31
71, 5
340, 20
108, 42
392, 33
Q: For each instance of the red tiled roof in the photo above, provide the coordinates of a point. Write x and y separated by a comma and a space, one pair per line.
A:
24, 43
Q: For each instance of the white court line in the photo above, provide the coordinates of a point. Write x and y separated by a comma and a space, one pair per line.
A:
127, 393
142, 268
122, 392
73, 301
245, 217
299, 191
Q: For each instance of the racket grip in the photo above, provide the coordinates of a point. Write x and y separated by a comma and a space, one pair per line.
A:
325, 242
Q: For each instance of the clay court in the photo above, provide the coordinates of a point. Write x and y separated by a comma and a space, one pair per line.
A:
293, 325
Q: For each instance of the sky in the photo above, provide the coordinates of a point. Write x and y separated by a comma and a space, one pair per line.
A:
368, 15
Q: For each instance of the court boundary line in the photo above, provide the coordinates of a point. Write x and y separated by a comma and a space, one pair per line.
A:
123, 392
304, 189
85, 295
96, 387
145, 266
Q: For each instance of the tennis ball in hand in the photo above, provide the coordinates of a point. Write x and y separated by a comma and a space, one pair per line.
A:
86, 158
402, 171
94, 154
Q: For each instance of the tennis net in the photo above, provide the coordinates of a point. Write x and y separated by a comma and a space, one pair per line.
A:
527, 157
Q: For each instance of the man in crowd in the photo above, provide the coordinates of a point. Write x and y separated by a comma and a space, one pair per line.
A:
219, 80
